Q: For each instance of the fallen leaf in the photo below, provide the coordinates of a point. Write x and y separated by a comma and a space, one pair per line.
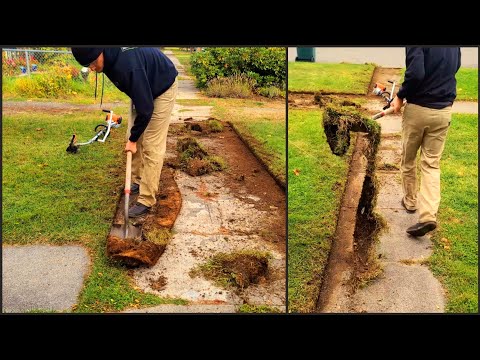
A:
39, 129
446, 247
296, 172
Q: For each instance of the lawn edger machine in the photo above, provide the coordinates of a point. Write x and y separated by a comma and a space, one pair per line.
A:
102, 132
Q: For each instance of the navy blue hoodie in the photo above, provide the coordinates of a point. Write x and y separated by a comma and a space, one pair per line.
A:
143, 74
430, 76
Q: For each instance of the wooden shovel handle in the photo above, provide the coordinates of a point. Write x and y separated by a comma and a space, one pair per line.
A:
382, 114
128, 174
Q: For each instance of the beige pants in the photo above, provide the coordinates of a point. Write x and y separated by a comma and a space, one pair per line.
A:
426, 129
147, 162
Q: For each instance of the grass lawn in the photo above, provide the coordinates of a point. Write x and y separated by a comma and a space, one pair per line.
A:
23, 88
455, 259
261, 123
335, 78
467, 84
52, 197
314, 197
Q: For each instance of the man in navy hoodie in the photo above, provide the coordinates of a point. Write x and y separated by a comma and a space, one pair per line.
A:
429, 89
149, 78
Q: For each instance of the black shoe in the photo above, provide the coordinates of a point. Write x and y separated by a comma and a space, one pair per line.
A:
134, 189
408, 210
421, 229
137, 210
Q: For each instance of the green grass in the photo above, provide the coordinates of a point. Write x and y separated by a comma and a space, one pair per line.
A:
335, 78
264, 131
259, 309
455, 258
467, 84
52, 197
314, 197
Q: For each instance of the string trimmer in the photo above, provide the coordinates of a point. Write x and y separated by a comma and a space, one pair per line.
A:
102, 132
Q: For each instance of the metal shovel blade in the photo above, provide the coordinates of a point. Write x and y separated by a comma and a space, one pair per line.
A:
118, 230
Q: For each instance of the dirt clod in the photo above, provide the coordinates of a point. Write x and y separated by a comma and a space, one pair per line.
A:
239, 269
194, 159
158, 284
133, 252
339, 121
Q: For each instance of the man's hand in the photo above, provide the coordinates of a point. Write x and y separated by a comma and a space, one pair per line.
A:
131, 146
396, 104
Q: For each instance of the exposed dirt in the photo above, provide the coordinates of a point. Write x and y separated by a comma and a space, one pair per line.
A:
159, 283
366, 227
162, 216
381, 75
237, 269
169, 201
352, 259
133, 252
194, 159
301, 100
253, 145
341, 258
206, 127
246, 177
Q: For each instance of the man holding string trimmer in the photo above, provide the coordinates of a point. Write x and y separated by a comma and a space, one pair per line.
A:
149, 78
429, 89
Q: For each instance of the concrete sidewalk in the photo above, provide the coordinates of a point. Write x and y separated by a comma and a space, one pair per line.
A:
42, 277
406, 285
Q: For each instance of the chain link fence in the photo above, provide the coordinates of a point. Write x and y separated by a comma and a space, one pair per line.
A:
28, 61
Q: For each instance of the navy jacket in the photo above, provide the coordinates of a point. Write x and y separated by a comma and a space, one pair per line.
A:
430, 76
143, 74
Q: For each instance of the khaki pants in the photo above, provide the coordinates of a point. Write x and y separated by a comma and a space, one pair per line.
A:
147, 162
426, 129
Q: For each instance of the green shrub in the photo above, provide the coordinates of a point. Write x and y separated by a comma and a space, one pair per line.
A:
236, 86
58, 81
264, 65
271, 92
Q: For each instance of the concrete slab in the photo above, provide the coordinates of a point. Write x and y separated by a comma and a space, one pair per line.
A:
465, 107
390, 190
402, 289
180, 113
396, 245
204, 227
187, 90
391, 142
391, 124
390, 158
42, 277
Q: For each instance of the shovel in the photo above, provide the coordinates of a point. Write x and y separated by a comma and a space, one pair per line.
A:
382, 113
126, 230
